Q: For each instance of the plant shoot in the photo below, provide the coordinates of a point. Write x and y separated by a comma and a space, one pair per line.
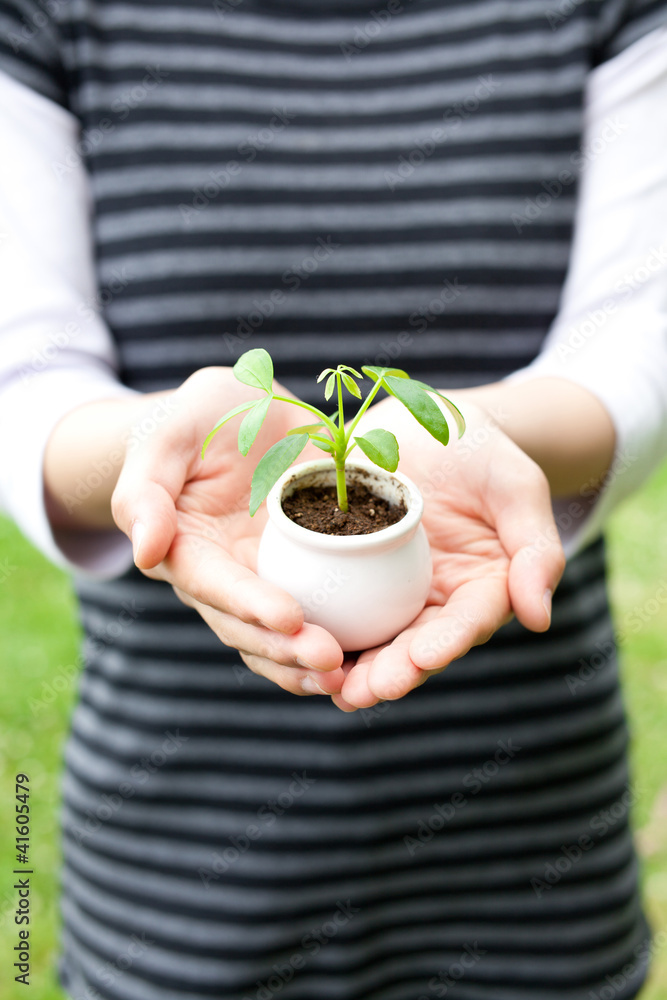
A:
330, 433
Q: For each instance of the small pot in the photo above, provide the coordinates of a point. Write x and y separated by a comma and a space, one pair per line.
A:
363, 589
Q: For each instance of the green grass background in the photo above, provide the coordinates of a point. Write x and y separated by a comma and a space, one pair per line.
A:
38, 642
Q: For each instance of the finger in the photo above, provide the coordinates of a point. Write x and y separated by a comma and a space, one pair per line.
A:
527, 530
472, 614
356, 692
143, 502
211, 577
295, 679
345, 706
389, 676
311, 649
338, 699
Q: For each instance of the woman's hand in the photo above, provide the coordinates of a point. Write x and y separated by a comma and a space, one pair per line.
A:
494, 543
189, 523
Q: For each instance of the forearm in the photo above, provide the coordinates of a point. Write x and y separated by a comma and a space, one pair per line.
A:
562, 426
85, 453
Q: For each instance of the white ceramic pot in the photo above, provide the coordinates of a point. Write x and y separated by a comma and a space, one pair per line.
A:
363, 589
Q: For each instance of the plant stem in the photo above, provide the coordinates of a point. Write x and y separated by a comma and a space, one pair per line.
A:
367, 402
328, 423
339, 451
341, 487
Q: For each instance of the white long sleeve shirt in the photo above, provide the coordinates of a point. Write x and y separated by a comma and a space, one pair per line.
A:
610, 334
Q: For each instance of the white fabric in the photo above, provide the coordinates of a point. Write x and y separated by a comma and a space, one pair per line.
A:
55, 352
610, 334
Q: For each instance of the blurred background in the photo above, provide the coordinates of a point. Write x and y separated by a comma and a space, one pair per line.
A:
39, 637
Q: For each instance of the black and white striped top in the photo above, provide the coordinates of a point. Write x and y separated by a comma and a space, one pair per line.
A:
314, 176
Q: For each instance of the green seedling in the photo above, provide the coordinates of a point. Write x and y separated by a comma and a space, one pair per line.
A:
329, 433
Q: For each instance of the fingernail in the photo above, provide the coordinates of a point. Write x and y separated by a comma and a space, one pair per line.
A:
138, 535
271, 628
546, 601
304, 663
310, 686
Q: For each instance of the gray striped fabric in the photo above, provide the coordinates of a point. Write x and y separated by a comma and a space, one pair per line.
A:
369, 183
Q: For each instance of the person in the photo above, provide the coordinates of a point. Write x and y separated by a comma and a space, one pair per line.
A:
408, 185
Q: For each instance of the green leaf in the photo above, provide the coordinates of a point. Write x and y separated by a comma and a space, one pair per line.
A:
421, 406
375, 373
328, 447
353, 371
329, 387
223, 420
271, 467
251, 424
322, 374
255, 368
381, 447
453, 409
351, 385
305, 428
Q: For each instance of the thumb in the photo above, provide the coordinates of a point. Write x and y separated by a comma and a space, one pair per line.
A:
152, 524
143, 503
529, 535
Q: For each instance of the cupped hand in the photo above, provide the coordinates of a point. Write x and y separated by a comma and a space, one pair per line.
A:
190, 526
494, 544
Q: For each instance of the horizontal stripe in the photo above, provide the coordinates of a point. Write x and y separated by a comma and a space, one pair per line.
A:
296, 31
492, 887
569, 934
164, 308
374, 260
259, 178
201, 56
323, 221
482, 128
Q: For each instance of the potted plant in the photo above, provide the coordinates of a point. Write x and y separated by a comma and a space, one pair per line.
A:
343, 538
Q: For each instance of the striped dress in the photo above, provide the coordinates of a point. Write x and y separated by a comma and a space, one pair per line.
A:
337, 180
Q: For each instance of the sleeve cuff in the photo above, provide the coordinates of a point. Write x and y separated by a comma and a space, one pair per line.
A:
634, 393
33, 407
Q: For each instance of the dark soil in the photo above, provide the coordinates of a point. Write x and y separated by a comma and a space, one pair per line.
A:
315, 508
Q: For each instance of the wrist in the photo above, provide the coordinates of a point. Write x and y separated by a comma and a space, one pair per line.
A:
560, 424
84, 455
